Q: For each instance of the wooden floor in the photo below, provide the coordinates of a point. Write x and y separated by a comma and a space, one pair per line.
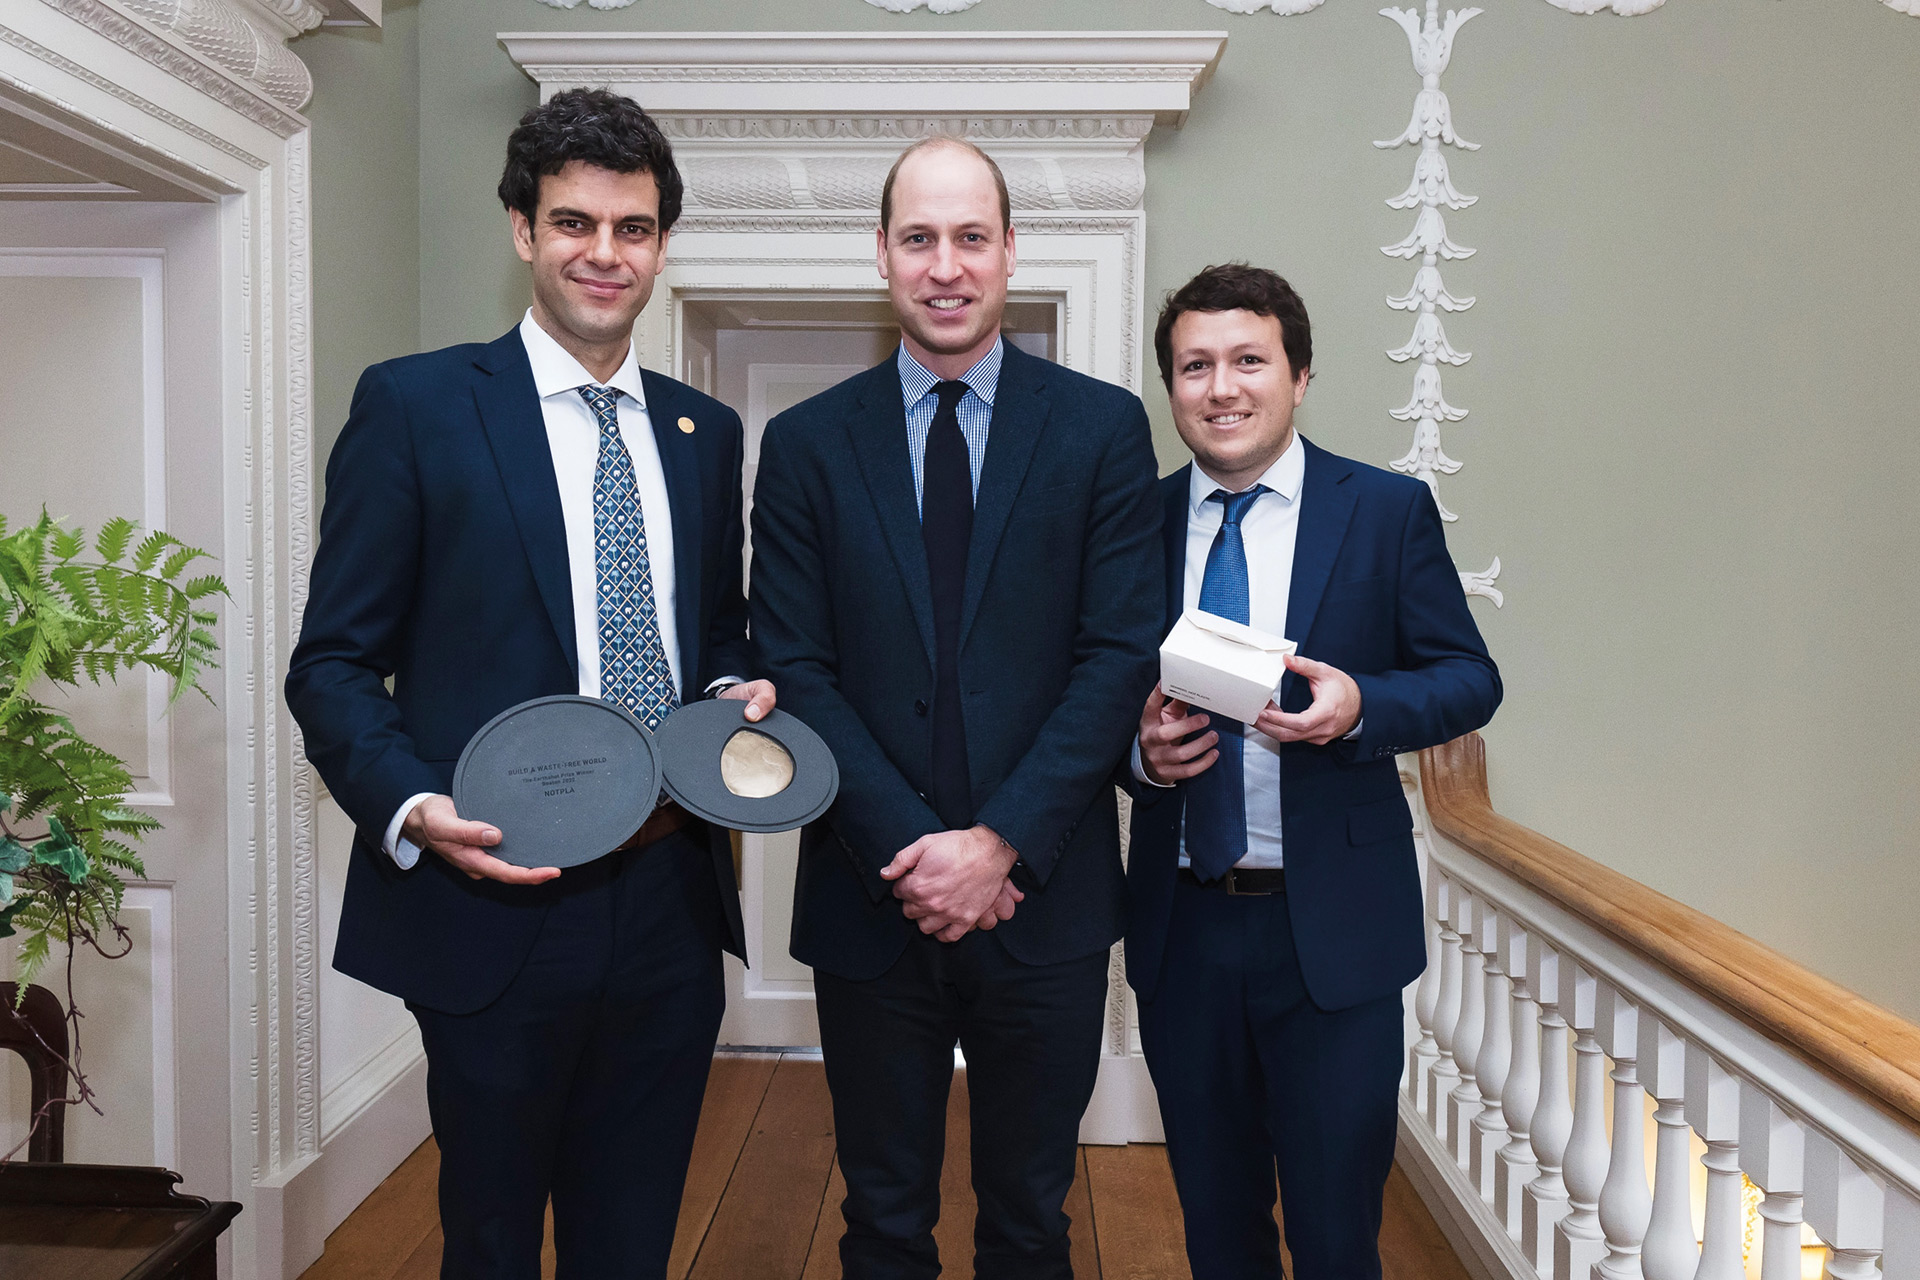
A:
763, 1197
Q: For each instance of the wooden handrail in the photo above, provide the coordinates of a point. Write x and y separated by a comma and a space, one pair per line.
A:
1850, 1038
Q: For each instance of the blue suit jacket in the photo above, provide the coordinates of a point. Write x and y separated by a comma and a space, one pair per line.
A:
1059, 628
1375, 594
442, 565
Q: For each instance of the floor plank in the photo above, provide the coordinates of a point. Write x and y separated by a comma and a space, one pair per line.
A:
953, 1234
823, 1255
735, 1089
376, 1239
1086, 1253
1412, 1246
1136, 1215
765, 1223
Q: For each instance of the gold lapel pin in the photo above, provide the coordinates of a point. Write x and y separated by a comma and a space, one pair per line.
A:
686, 425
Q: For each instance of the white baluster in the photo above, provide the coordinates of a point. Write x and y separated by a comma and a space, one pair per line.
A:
1463, 1102
1544, 1203
1515, 1165
1669, 1252
1713, 1110
1446, 1013
1426, 999
1578, 1242
1773, 1156
1847, 1208
1625, 1201
1496, 1055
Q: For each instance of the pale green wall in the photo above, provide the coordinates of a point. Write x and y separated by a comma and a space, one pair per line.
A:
1693, 434
366, 204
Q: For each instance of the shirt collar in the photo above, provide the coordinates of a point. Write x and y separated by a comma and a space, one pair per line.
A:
556, 372
1285, 477
916, 381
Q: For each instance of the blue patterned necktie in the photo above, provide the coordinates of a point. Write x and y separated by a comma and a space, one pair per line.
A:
634, 671
1217, 799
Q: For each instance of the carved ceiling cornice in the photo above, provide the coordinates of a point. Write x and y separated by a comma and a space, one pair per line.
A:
233, 51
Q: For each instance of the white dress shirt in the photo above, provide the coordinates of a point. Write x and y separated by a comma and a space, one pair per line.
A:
1268, 529
573, 438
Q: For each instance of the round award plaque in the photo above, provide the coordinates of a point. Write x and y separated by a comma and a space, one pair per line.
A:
765, 775
566, 779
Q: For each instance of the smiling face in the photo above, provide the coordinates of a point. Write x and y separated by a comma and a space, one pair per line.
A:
1233, 393
946, 256
595, 246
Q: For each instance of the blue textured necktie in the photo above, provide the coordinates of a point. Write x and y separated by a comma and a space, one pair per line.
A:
634, 671
1217, 799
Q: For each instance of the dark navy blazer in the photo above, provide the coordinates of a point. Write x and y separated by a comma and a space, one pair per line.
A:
1375, 594
442, 565
1059, 630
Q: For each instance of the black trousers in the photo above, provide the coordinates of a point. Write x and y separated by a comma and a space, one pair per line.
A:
1031, 1036
1256, 1081
583, 1081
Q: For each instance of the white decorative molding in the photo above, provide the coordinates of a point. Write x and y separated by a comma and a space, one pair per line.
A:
1625, 8
1431, 190
220, 53
1286, 7
934, 6
596, 4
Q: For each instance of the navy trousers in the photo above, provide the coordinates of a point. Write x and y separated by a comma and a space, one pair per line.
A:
1255, 1082
1031, 1036
583, 1081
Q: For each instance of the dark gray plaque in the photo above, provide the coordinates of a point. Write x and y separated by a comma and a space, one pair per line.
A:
695, 758
566, 779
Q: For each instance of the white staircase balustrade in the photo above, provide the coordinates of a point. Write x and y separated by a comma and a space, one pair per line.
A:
1535, 1180
1515, 1166
1463, 1101
1669, 1251
1496, 1057
1546, 1196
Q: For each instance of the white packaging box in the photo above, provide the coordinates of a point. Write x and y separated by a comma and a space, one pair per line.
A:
1221, 665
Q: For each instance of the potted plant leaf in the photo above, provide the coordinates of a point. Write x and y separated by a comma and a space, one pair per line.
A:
70, 612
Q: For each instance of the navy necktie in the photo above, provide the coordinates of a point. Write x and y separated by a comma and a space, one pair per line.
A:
946, 527
1217, 799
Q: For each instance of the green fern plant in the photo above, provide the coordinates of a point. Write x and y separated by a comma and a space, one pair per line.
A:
66, 836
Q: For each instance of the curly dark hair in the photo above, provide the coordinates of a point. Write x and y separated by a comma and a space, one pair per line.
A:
594, 126
1238, 287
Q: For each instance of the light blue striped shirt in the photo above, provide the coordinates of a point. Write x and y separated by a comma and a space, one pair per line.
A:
975, 411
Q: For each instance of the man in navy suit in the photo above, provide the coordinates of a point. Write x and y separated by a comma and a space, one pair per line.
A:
535, 516
956, 582
1275, 900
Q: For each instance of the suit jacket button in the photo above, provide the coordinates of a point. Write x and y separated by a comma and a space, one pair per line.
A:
919, 706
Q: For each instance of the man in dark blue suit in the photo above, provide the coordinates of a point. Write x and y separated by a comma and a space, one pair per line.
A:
1275, 899
956, 581
535, 516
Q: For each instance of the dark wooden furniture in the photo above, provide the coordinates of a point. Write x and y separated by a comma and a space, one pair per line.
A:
37, 1031
105, 1222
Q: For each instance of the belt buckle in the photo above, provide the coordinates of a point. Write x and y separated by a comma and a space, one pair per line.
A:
1234, 890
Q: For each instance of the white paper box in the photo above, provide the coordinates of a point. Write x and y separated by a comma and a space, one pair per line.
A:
1222, 665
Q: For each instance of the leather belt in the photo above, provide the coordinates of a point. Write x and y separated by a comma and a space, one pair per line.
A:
1243, 882
666, 820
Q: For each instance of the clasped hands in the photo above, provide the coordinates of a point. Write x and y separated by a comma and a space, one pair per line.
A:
1173, 747
435, 825
952, 882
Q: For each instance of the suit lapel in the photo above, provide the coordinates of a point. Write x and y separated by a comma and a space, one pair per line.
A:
680, 461
1173, 496
1019, 413
1326, 507
509, 408
879, 432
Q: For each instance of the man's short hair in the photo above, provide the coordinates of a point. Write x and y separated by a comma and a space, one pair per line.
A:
944, 140
1238, 287
594, 127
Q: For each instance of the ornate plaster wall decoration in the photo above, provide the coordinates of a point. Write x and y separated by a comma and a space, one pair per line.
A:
1625, 8
246, 45
597, 4
937, 6
1430, 191
1278, 6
